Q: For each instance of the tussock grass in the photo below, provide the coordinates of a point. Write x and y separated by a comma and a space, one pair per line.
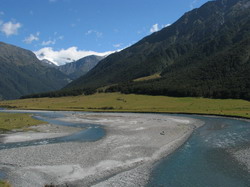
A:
9, 121
116, 102
4, 184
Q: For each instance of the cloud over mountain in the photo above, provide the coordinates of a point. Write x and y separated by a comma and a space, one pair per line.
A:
154, 28
64, 56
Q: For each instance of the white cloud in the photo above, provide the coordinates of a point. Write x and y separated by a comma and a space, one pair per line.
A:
117, 45
167, 25
52, 41
31, 38
60, 37
97, 33
10, 28
64, 56
49, 42
154, 28
193, 3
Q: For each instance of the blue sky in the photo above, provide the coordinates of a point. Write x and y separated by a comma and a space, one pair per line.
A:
76, 28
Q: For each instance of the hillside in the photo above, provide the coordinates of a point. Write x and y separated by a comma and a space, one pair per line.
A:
22, 73
204, 53
80, 67
47, 63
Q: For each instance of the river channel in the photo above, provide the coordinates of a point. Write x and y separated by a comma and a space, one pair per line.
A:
206, 159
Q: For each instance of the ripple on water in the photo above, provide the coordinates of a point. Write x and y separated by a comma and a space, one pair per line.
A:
204, 160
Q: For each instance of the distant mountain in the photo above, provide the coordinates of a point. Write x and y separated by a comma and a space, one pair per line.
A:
48, 63
80, 67
205, 53
22, 73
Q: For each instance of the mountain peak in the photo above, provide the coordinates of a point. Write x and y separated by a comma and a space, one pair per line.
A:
80, 67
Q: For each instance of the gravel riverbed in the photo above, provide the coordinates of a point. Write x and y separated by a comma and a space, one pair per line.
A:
124, 157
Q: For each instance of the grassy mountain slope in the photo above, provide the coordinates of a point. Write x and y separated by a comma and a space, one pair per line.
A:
80, 67
204, 53
22, 73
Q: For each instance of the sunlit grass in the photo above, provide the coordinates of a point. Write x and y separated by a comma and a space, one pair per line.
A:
154, 76
136, 103
4, 184
9, 121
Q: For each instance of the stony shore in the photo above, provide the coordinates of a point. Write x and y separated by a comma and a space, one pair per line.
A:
38, 132
124, 157
243, 156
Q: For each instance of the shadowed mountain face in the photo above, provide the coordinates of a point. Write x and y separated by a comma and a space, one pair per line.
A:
80, 67
47, 63
205, 53
22, 73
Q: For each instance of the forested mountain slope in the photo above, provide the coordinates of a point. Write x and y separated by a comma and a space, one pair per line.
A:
206, 53
22, 73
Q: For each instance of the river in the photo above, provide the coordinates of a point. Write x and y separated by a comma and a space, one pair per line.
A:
204, 160
90, 132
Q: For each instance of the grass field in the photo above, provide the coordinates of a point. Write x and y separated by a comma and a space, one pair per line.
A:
4, 184
9, 121
116, 102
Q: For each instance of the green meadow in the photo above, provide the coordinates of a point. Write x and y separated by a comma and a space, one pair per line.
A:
10, 121
116, 102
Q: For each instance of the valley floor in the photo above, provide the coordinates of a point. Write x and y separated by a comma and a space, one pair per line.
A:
116, 102
124, 157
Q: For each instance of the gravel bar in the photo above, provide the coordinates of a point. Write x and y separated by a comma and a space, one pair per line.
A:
124, 157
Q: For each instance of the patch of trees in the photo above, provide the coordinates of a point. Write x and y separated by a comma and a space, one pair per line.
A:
61, 93
161, 87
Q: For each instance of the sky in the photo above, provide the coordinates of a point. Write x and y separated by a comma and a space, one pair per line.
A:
66, 30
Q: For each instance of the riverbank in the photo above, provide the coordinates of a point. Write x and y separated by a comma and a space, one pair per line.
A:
116, 102
133, 142
38, 132
17, 122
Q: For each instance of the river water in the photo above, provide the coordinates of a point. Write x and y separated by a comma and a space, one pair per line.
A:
204, 160
90, 132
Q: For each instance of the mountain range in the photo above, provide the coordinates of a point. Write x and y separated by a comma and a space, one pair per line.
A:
48, 63
205, 53
22, 73
80, 67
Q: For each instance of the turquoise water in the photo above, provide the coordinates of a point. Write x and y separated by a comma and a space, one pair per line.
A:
2, 175
204, 159
89, 133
